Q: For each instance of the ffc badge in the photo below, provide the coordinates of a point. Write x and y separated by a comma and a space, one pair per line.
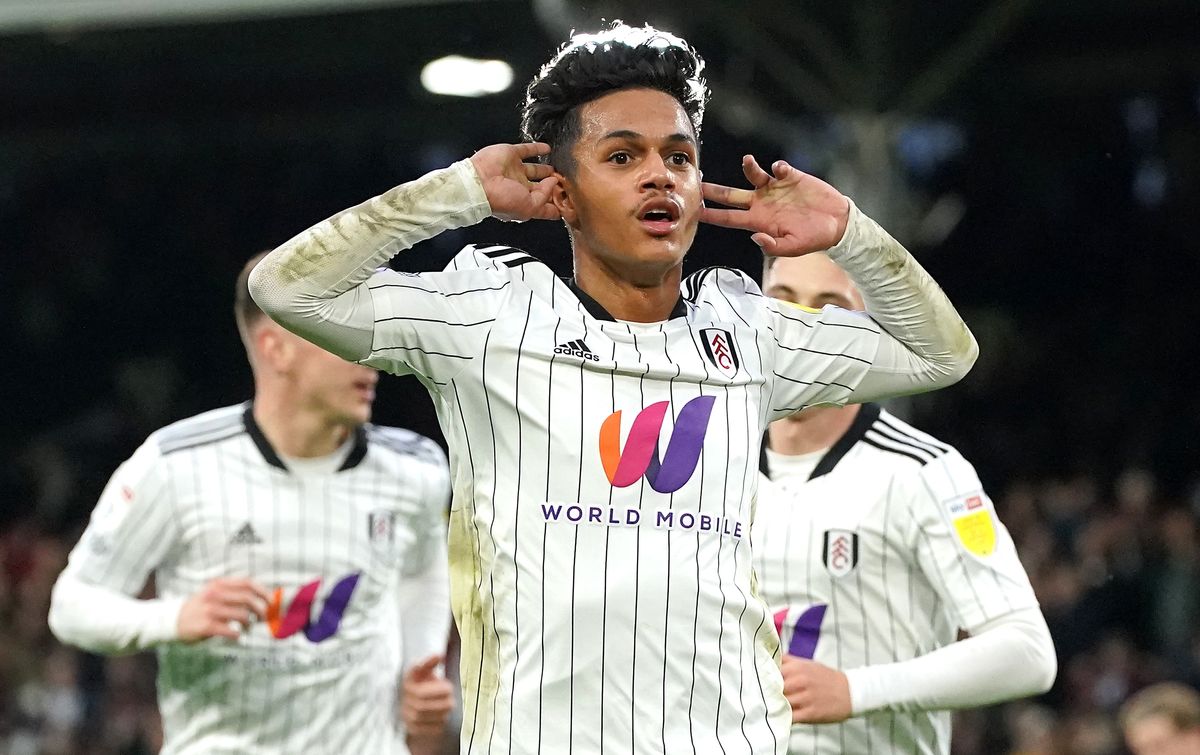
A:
381, 529
840, 552
719, 348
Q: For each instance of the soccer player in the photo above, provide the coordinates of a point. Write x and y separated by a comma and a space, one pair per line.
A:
604, 430
874, 544
1162, 719
298, 555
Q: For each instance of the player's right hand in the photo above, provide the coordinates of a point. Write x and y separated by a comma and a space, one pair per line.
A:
222, 608
517, 190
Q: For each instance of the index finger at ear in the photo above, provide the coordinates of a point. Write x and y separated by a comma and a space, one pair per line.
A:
531, 149
538, 171
726, 195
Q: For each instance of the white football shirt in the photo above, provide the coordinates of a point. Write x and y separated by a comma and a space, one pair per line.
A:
880, 551
604, 474
208, 497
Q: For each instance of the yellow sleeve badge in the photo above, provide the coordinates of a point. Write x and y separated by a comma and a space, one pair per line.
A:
974, 524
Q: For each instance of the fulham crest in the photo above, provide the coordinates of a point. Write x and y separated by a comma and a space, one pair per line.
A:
840, 552
719, 348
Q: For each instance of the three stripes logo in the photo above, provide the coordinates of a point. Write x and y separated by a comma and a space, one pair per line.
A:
245, 536
576, 348
640, 457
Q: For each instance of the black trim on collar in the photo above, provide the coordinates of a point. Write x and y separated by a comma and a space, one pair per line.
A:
856, 432
597, 311
260, 440
358, 451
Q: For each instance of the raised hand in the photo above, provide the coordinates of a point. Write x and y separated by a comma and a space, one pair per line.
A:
517, 190
789, 212
817, 693
428, 699
219, 607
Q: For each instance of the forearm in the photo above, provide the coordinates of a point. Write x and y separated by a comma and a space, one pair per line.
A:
311, 283
1008, 658
108, 622
425, 611
933, 345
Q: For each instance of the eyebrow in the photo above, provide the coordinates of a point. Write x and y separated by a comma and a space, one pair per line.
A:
624, 133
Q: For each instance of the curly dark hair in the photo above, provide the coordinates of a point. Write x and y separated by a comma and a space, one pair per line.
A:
591, 65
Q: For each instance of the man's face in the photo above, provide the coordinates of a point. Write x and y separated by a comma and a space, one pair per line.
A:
633, 201
1157, 735
812, 280
340, 391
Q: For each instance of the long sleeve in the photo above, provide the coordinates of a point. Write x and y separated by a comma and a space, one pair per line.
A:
1009, 657
102, 620
130, 532
925, 343
425, 607
424, 596
314, 284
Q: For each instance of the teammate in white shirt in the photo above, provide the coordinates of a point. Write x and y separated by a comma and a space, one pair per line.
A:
874, 543
299, 560
604, 431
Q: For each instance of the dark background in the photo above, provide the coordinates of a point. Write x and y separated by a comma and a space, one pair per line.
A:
1041, 159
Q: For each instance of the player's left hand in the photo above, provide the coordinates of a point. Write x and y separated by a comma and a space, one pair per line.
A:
817, 693
789, 212
428, 698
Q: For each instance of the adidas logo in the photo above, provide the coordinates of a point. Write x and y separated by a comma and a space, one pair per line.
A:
245, 536
576, 348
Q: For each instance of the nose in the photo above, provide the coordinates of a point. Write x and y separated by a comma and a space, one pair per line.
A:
657, 174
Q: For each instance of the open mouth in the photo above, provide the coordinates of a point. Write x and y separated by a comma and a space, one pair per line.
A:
365, 388
659, 216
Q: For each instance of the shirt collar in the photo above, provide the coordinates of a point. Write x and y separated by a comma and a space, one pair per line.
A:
857, 430
357, 452
594, 308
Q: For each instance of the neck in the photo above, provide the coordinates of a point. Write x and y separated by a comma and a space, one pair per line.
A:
295, 431
811, 430
626, 298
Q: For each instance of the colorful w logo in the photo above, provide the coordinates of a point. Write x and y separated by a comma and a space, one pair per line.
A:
806, 630
299, 613
640, 456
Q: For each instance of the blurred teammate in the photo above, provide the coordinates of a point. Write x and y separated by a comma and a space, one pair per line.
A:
874, 543
1162, 719
604, 430
299, 559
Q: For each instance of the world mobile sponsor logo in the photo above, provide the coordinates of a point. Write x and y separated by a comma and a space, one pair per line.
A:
662, 519
640, 457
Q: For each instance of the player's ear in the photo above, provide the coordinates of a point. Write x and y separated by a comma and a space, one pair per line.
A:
274, 351
563, 200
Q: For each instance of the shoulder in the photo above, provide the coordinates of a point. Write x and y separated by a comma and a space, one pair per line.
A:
722, 288
497, 262
202, 429
402, 443
909, 449
924, 466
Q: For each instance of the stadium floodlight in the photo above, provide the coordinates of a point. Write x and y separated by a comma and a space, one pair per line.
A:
466, 77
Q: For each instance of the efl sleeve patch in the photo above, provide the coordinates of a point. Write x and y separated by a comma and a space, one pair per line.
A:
974, 523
